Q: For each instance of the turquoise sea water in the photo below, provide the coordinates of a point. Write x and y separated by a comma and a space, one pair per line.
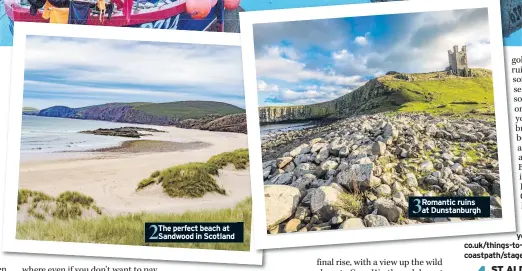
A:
51, 135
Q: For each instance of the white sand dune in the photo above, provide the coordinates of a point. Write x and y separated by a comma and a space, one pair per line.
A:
111, 178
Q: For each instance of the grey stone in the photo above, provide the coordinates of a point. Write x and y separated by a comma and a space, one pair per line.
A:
318, 146
390, 131
495, 201
305, 168
336, 220
322, 155
383, 190
358, 174
325, 202
285, 178
464, 191
457, 168
426, 166
372, 220
303, 182
290, 167
495, 212
476, 188
378, 148
387, 208
352, 223
495, 187
411, 180
328, 165
302, 149
387, 178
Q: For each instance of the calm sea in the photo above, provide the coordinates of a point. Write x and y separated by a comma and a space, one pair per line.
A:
52, 135
271, 129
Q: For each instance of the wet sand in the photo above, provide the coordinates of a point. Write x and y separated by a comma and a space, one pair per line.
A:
135, 146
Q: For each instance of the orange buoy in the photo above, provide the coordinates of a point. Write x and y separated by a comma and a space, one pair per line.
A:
198, 9
231, 4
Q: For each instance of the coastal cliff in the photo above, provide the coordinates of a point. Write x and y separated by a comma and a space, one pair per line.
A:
436, 91
202, 115
360, 99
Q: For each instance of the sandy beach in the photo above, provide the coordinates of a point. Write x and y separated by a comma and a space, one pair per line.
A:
111, 177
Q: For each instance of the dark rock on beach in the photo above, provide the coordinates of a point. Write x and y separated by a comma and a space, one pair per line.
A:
133, 132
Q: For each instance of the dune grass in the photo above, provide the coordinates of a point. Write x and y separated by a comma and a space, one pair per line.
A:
239, 158
24, 195
129, 229
194, 180
146, 182
191, 180
68, 205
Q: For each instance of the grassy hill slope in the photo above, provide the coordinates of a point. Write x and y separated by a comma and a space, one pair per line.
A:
188, 109
439, 93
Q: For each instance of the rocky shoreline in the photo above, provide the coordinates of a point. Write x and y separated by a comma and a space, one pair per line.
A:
359, 171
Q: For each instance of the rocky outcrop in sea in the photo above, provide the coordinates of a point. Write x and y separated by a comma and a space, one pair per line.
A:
133, 132
360, 171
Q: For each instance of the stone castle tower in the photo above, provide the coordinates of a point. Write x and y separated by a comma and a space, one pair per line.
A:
458, 62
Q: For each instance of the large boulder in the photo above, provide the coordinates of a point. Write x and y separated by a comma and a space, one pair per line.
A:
322, 156
303, 182
285, 178
388, 209
280, 203
358, 175
325, 201
305, 168
302, 149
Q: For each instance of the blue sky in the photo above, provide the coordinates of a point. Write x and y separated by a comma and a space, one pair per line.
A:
77, 72
304, 62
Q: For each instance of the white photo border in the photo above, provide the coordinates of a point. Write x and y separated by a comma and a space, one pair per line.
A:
10, 243
267, 241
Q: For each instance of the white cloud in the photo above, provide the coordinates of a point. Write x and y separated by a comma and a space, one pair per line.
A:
273, 65
422, 47
310, 94
362, 40
262, 86
109, 61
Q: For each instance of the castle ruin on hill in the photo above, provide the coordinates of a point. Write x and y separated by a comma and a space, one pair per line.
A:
458, 62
